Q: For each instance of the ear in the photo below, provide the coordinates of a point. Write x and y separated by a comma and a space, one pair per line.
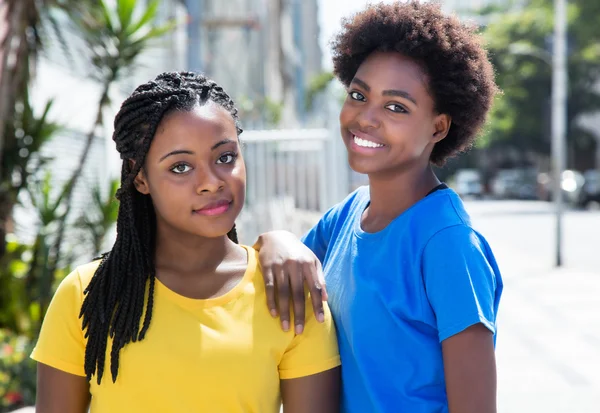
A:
141, 182
442, 123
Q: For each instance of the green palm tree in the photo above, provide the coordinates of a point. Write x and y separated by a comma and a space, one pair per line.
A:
23, 23
116, 33
40, 278
110, 31
115, 39
17, 49
101, 216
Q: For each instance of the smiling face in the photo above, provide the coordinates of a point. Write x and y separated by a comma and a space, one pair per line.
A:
388, 121
194, 172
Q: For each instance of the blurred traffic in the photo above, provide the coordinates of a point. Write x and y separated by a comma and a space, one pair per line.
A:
581, 190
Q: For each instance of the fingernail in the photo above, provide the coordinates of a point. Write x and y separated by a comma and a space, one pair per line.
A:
320, 317
299, 329
274, 313
285, 325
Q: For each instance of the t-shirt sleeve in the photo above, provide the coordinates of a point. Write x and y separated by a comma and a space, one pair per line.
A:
61, 343
462, 281
313, 351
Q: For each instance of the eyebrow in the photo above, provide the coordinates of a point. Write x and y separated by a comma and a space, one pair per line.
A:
389, 92
188, 152
177, 152
220, 143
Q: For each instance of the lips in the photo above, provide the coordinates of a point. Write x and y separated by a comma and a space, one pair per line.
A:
214, 208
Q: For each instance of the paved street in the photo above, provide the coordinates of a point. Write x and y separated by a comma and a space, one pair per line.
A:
526, 230
548, 346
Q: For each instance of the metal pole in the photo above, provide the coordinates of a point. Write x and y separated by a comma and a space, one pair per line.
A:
195, 9
559, 116
300, 60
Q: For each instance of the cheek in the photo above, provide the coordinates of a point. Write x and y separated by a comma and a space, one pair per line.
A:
168, 194
239, 169
413, 132
346, 113
404, 141
165, 186
238, 180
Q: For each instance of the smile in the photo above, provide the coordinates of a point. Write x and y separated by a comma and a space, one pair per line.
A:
363, 143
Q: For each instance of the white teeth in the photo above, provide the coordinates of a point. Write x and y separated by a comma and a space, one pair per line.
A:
366, 144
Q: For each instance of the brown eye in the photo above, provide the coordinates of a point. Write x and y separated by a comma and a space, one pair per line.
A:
356, 96
180, 168
396, 108
227, 158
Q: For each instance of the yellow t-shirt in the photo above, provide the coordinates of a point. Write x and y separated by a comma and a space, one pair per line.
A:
225, 354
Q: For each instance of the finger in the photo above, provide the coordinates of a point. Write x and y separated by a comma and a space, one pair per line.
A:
270, 290
298, 298
321, 278
310, 275
283, 297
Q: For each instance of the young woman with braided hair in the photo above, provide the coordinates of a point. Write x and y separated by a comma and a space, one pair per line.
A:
176, 309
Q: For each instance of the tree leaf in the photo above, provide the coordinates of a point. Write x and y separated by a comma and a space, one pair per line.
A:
125, 9
154, 33
108, 16
148, 16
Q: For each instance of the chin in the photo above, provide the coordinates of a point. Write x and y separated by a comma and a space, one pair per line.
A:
215, 230
363, 166
205, 227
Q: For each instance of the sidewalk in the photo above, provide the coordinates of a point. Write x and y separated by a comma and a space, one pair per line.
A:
548, 345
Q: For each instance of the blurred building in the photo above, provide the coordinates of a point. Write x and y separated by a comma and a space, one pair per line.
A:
264, 52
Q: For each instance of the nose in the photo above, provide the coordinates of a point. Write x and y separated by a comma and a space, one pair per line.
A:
208, 182
368, 118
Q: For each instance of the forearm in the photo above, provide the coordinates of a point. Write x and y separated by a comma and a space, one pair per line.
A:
60, 392
319, 393
470, 371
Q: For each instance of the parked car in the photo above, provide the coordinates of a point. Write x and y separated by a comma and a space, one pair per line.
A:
516, 183
590, 192
571, 184
467, 183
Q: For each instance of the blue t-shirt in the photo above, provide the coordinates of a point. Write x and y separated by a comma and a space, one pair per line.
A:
398, 293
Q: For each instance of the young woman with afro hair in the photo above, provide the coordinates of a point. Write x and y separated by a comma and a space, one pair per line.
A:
413, 288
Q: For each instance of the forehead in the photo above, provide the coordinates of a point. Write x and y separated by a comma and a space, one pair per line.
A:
209, 119
392, 70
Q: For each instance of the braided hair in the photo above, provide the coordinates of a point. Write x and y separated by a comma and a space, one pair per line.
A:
121, 291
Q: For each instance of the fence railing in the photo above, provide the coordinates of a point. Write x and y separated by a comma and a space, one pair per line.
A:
293, 177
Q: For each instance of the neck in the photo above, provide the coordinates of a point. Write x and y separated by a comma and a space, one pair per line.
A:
394, 193
186, 253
